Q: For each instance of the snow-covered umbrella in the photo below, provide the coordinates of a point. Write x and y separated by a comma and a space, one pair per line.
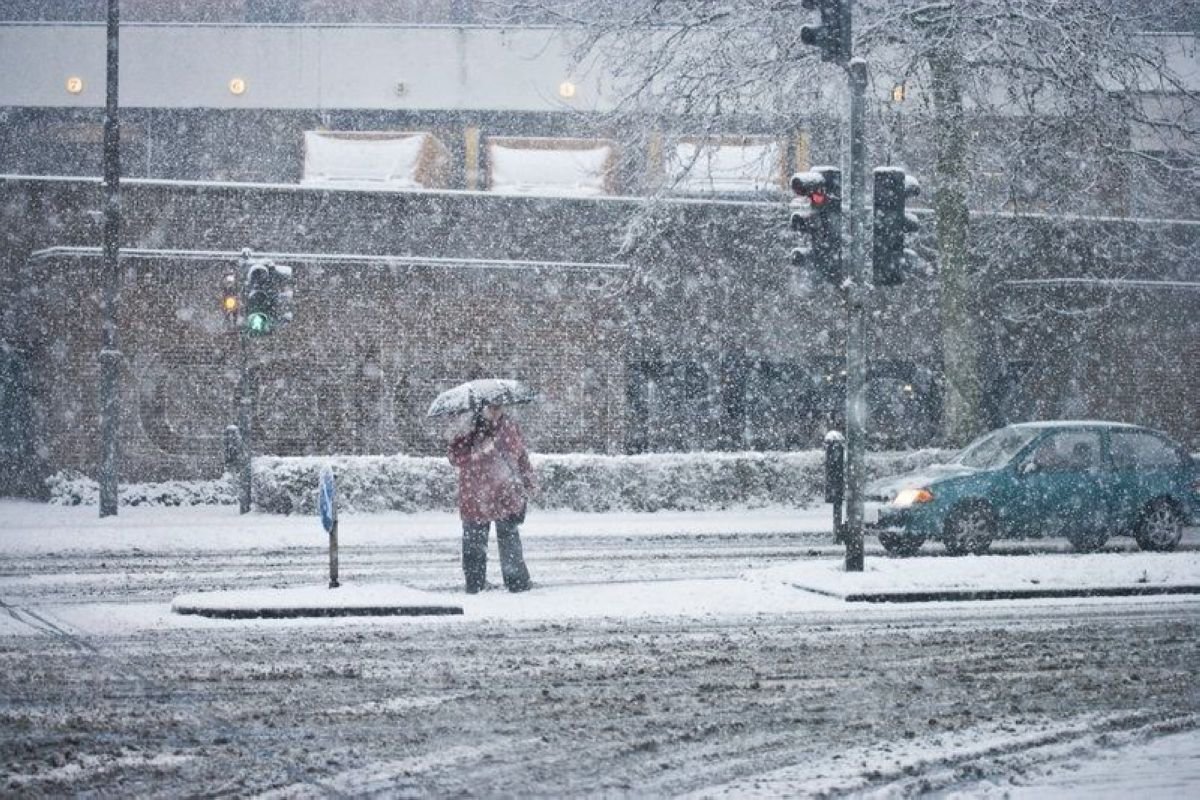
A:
474, 395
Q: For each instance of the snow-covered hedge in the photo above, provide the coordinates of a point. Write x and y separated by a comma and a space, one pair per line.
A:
579, 482
364, 483
71, 488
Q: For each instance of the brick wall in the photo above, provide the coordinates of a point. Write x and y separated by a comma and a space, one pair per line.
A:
370, 347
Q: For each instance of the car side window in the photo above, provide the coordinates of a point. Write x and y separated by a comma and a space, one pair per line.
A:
1143, 451
1075, 451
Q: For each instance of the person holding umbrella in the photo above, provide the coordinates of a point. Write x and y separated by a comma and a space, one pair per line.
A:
495, 479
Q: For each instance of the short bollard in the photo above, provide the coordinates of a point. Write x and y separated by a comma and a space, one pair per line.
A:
233, 449
835, 478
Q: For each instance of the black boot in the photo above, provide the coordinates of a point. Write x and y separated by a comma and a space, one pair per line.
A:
512, 557
474, 555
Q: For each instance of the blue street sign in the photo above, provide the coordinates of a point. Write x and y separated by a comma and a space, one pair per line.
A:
327, 499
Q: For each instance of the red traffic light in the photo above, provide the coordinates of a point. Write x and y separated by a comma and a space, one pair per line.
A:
819, 186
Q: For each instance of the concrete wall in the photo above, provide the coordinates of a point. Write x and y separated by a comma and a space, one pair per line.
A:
709, 291
300, 67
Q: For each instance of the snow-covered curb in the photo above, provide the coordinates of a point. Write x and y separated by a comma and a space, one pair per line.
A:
30, 527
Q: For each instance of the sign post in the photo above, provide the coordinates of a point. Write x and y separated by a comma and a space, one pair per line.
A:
327, 505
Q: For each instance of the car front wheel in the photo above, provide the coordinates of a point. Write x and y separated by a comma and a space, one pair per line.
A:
969, 529
900, 545
1160, 528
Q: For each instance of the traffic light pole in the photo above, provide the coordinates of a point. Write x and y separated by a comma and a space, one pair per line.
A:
858, 291
245, 420
833, 37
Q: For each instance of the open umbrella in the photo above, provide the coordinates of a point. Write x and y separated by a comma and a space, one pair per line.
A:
474, 395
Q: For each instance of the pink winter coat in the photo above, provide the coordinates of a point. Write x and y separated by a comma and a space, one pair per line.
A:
494, 473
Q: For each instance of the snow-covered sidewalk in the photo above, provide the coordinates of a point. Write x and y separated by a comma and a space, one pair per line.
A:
29, 528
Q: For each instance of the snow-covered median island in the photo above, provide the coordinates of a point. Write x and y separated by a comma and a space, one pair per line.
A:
380, 600
987, 577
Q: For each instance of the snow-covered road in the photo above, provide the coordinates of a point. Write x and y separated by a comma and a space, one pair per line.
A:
648, 661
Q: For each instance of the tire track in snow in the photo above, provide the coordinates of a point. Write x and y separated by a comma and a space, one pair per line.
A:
918, 767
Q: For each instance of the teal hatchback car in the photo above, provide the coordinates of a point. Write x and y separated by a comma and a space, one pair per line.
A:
1084, 481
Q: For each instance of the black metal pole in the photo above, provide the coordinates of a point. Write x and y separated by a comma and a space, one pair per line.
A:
333, 556
856, 331
245, 421
110, 354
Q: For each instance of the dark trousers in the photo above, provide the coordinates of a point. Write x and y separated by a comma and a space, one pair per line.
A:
475, 553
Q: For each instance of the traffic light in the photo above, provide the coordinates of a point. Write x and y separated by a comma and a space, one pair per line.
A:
822, 221
229, 298
284, 282
890, 258
267, 292
260, 298
833, 34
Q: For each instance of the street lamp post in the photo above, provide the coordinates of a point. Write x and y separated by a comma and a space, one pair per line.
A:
110, 354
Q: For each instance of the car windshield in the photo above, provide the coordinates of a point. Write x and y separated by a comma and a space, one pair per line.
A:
995, 449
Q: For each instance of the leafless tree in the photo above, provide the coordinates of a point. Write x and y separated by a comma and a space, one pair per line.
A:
1052, 106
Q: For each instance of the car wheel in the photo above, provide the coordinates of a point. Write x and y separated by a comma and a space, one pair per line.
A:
969, 529
1160, 527
899, 545
1088, 542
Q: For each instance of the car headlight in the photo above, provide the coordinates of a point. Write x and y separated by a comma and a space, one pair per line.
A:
909, 497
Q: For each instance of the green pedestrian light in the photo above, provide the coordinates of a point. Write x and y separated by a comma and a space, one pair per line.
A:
258, 323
